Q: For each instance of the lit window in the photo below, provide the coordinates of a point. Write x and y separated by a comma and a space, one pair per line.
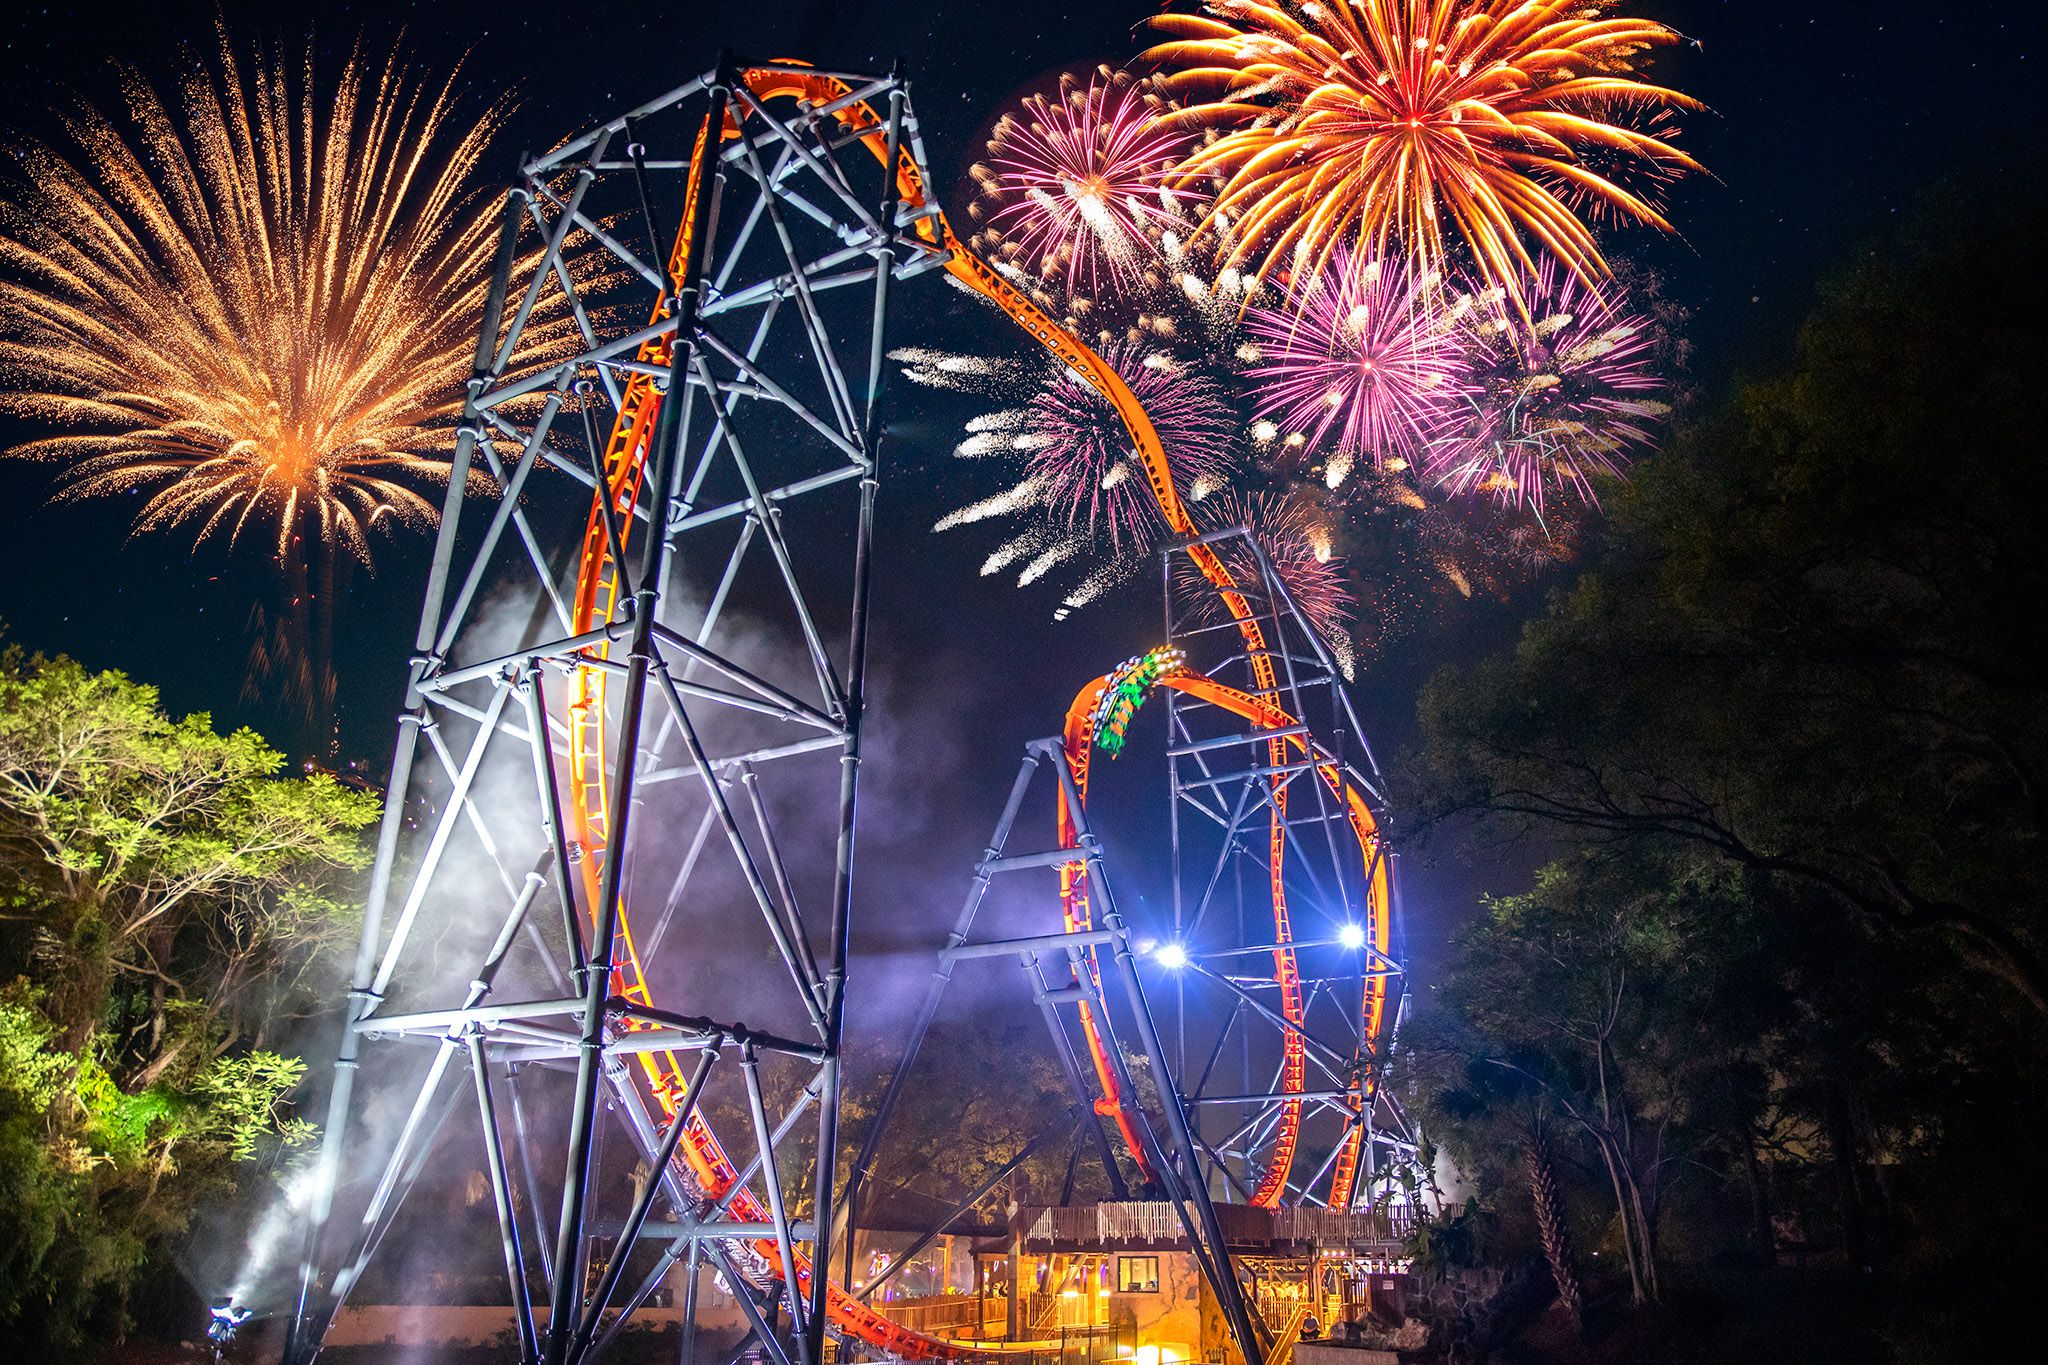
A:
1137, 1274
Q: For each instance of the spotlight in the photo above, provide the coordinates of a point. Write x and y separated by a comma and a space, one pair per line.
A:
1352, 936
1170, 956
224, 1320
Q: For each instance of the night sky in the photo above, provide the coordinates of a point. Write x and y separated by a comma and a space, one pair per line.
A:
1828, 122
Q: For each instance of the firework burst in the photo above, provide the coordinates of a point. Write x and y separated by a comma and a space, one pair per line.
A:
1075, 190
259, 308
1188, 299
1079, 447
1296, 541
1394, 125
1080, 473
1362, 360
1562, 395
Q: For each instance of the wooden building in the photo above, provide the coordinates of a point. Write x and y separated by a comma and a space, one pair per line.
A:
1118, 1281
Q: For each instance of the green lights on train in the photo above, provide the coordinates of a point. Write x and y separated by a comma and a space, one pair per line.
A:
1125, 693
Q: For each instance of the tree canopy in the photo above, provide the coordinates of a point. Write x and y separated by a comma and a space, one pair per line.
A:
1805, 645
1783, 985
164, 889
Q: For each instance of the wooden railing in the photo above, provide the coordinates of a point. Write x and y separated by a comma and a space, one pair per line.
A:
1154, 1224
935, 1314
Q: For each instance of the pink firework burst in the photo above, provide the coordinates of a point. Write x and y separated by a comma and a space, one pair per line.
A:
1362, 359
1568, 394
1076, 186
1082, 458
1297, 543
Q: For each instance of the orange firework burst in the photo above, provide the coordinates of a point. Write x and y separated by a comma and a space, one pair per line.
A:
259, 309
1392, 124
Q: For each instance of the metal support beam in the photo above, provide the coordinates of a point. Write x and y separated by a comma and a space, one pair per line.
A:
1035, 943
604, 943
1195, 1193
975, 1196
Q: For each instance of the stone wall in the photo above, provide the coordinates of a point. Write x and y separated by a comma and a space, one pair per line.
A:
1470, 1311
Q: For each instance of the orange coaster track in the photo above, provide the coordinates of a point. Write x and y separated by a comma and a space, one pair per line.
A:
596, 601
1080, 743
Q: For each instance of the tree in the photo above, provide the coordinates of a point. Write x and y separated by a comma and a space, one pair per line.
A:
163, 890
1583, 992
1785, 737
1801, 646
980, 1091
1546, 1197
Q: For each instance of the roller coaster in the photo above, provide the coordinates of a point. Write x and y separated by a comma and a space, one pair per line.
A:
702, 440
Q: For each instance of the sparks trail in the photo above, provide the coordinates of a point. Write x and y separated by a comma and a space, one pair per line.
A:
1076, 186
1082, 482
249, 308
1080, 448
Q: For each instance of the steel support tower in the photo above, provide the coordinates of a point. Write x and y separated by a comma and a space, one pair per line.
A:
627, 763
1284, 1018
1291, 1006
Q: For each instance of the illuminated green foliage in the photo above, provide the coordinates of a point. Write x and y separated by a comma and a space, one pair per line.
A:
164, 889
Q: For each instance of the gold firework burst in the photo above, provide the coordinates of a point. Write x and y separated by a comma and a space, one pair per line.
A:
257, 306
1398, 124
